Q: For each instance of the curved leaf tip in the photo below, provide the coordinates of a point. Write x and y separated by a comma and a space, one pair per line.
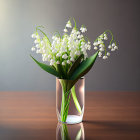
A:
47, 68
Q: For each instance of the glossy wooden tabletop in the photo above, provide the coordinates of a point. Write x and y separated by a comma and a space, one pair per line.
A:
32, 116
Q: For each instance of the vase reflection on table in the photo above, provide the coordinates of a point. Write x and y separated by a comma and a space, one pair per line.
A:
70, 132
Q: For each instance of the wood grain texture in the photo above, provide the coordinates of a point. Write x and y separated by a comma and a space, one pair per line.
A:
31, 115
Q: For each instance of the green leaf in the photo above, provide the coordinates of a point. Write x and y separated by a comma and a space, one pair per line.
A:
60, 70
47, 68
75, 65
77, 105
84, 67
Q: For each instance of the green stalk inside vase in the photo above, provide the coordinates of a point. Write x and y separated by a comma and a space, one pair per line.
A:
77, 105
66, 96
67, 91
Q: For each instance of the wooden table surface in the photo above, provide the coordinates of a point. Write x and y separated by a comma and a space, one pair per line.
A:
32, 116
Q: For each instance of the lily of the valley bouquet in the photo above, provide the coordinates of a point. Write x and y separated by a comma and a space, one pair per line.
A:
68, 58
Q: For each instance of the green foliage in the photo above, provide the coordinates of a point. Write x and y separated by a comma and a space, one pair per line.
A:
75, 65
61, 71
77, 70
84, 67
47, 68
77, 105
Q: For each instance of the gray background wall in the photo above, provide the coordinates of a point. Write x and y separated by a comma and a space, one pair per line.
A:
18, 19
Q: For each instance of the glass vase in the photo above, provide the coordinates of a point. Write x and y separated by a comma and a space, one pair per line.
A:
70, 100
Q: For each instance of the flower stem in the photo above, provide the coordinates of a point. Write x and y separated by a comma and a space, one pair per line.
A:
68, 89
66, 96
77, 105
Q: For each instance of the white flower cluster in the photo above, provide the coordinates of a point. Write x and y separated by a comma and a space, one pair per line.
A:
66, 49
99, 44
63, 50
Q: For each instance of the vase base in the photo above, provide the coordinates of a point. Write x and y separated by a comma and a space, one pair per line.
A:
73, 119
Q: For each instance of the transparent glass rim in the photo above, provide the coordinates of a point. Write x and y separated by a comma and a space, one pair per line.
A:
68, 79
